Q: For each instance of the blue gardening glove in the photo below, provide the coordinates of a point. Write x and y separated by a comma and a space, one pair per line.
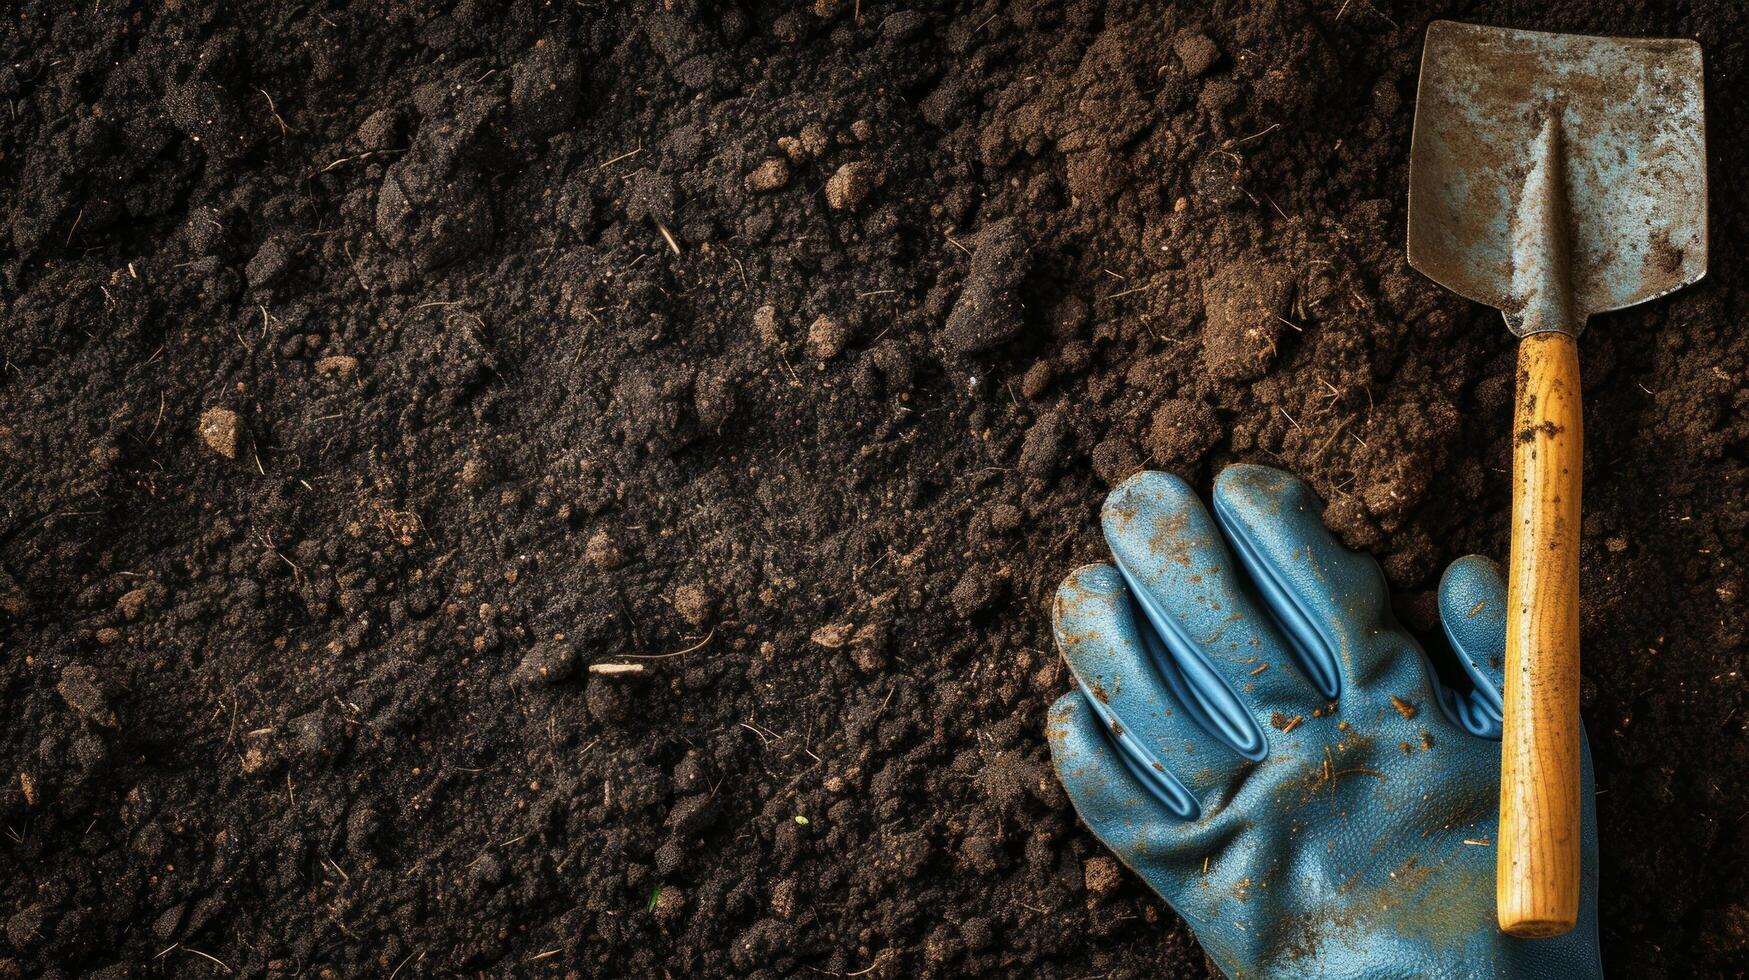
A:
1272, 753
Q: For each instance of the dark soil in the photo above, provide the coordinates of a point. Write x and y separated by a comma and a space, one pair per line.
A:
371, 370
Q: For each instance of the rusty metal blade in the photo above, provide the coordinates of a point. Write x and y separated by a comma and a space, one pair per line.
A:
1553, 176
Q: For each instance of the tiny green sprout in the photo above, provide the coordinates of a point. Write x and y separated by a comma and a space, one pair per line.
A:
801, 820
655, 894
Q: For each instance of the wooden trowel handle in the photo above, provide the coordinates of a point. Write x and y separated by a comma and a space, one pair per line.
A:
1537, 880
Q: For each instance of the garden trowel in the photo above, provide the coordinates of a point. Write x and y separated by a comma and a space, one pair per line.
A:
1552, 176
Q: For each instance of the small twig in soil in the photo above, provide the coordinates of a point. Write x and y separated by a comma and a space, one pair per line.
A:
622, 156
1256, 136
156, 422
361, 156
409, 959
949, 238
678, 653
612, 670
891, 689
1137, 289
1290, 324
1326, 445
667, 236
883, 953
284, 130
209, 957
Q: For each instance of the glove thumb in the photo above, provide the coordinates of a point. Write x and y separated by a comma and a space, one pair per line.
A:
1472, 608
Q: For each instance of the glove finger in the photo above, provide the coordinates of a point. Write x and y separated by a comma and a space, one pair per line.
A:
1472, 608
1118, 807
1324, 597
1183, 577
1137, 692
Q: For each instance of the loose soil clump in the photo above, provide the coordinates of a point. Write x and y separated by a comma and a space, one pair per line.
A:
371, 372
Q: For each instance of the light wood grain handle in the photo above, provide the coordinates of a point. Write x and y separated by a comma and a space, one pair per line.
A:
1537, 880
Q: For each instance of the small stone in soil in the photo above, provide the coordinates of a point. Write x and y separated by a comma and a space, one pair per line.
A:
221, 430
339, 365
827, 338
476, 473
1100, 874
769, 176
131, 604
669, 903
603, 552
765, 324
694, 604
851, 185
1196, 52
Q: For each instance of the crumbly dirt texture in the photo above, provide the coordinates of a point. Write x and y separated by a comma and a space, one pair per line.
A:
374, 373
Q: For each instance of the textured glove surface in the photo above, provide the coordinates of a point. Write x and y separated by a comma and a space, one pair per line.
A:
1258, 738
